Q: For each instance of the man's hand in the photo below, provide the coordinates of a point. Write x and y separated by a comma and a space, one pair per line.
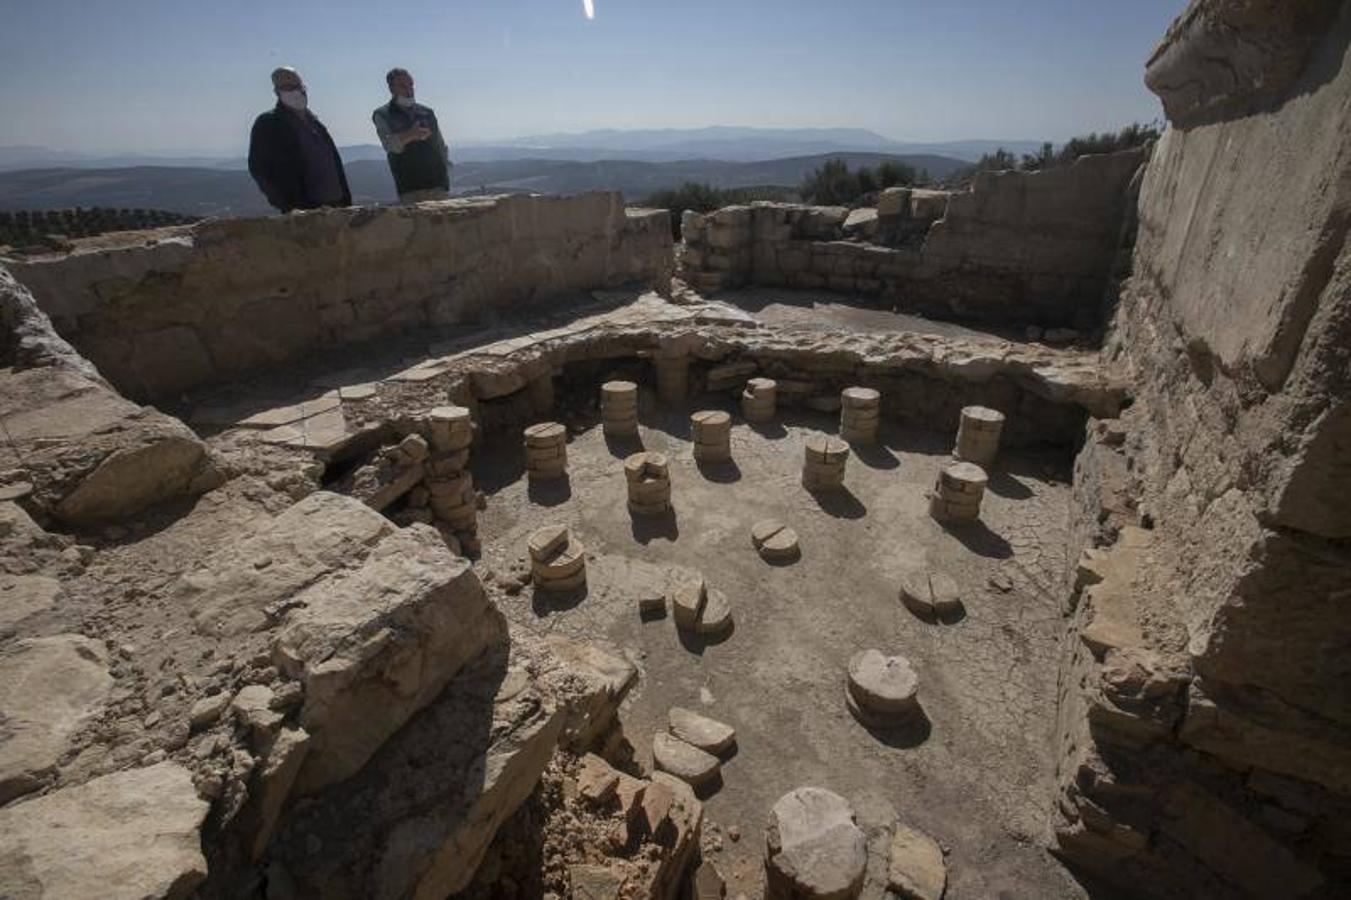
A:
418, 132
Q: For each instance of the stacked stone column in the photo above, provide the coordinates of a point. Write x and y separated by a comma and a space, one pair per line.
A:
673, 376
759, 400
557, 560
546, 451
649, 483
957, 495
823, 468
712, 432
978, 435
860, 412
450, 486
619, 409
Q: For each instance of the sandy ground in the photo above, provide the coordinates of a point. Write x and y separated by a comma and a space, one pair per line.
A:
976, 776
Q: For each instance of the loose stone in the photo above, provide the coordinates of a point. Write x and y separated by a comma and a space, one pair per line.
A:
700, 731
685, 761
915, 867
813, 848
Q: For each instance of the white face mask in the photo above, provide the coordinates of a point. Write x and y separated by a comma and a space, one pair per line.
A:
293, 99
403, 101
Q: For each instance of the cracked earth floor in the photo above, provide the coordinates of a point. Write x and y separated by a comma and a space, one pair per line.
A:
977, 776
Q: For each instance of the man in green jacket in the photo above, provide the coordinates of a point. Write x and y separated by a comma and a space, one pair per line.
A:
418, 156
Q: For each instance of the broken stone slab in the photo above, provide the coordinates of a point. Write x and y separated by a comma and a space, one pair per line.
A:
591, 682
708, 882
132, 834
688, 599
699, 731
931, 595
915, 867
716, 616
685, 761
881, 689
596, 780
813, 848
775, 540
49, 688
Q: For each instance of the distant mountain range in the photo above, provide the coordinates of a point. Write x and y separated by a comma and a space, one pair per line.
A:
205, 191
730, 144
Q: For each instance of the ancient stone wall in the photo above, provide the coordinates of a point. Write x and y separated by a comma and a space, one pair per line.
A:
1208, 734
225, 298
1033, 248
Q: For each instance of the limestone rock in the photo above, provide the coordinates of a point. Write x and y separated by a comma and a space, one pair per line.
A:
685, 761
700, 731
814, 850
708, 882
379, 645
132, 834
915, 867
23, 595
416, 820
91, 455
49, 687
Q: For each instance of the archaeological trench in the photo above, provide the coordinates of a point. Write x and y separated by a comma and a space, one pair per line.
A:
989, 543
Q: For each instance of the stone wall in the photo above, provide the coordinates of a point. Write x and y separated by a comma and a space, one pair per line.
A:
1031, 248
1230, 757
226, 298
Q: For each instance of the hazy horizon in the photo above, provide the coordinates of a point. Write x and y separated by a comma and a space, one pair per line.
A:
157, 77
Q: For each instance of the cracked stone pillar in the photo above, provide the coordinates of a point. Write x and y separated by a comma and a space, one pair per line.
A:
978, 435
860, 412
957, 494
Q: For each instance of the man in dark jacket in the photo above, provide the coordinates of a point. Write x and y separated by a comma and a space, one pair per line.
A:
418, 157
291, 156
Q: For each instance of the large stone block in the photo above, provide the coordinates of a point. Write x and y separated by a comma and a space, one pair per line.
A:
126, 836
91, 455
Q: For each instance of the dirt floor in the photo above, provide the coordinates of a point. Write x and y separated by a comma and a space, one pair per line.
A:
976, 776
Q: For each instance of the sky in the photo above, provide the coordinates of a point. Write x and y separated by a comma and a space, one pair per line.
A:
189, 76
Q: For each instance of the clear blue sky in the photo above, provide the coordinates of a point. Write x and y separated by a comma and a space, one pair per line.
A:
190, 75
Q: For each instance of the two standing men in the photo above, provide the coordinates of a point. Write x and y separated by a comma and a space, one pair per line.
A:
295, 163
